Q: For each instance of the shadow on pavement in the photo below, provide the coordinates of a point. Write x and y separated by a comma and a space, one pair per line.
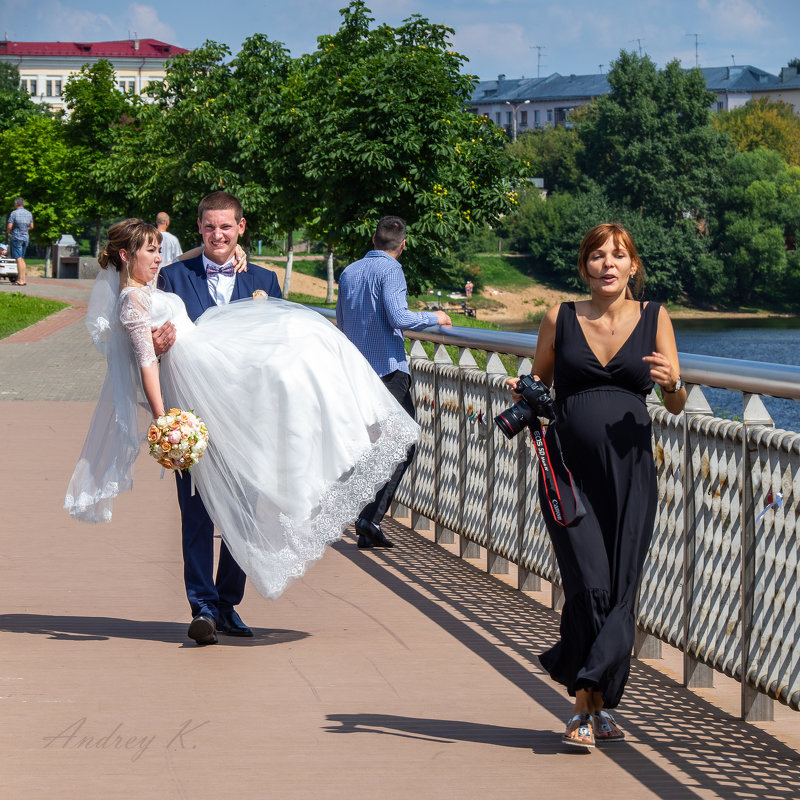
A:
711, 749
104, 628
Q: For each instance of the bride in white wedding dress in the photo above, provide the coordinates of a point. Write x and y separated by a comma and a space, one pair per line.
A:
302, 431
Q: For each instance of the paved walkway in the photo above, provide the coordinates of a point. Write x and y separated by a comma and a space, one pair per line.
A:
405, 673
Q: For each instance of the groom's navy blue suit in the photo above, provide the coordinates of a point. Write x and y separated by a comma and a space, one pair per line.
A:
188, 280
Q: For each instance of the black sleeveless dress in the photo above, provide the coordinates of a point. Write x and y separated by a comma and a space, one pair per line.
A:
604, 428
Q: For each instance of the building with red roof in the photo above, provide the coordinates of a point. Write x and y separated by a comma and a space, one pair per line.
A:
45, 66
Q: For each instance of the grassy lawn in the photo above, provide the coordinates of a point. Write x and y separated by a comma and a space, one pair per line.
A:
17, 311
504, 271
416, 302
309, 300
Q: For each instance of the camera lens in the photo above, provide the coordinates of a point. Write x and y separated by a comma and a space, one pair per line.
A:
513, 419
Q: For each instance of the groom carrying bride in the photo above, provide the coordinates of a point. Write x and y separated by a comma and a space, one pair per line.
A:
202, 282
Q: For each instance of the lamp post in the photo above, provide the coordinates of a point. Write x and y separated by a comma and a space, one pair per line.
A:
514, 124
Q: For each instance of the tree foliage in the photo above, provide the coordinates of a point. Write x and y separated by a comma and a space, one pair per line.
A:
96, 107
763, 123
182, 145
757, 216
649, 142
39, 164
380, 122
16, 105
96, 114
553, 154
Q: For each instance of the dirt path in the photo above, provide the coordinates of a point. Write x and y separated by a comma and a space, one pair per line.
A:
305, 284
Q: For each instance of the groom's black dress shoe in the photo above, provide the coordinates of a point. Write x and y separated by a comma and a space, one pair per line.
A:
370, 535
231, 623
203, 629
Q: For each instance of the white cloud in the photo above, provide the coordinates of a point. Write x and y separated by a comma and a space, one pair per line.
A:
732, 17
57, 22
143, 20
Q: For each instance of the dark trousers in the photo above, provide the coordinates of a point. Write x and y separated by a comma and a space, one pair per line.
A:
206, 595
399, 385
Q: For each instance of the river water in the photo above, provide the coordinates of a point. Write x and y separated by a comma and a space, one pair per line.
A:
775, 340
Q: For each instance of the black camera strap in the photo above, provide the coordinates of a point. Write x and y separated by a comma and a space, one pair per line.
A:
565, 501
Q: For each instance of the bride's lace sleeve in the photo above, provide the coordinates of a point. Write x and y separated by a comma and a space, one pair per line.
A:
134, 314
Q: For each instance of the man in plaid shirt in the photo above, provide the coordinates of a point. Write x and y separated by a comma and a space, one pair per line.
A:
20, 221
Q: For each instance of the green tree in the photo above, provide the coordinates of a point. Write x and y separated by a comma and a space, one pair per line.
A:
379, 120
757, 217
553, 155
39, 164
763, 123
268, 152
96, 113
650, 142
676, 258
192, 140
16, 105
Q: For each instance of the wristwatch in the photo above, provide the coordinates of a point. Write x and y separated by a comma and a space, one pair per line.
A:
679, 384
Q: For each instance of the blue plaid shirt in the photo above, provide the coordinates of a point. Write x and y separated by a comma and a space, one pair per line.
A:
20, 218
372, 311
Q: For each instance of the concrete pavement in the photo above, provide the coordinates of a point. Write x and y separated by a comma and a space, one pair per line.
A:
405, 673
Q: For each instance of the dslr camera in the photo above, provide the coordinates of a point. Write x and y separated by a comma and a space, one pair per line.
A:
536, 402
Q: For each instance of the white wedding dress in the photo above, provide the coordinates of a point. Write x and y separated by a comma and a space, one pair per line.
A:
302, 432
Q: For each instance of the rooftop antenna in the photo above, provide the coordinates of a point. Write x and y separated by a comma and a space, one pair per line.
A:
538, 48
696, 56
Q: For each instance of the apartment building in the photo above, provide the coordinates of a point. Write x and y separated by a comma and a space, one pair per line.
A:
45, 66
523, 104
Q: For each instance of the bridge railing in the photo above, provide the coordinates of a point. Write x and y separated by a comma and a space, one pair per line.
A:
722, 578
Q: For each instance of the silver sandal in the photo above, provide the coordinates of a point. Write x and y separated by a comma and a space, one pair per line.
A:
584, 730
606, 728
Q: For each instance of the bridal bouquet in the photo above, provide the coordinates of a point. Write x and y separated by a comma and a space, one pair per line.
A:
177, 439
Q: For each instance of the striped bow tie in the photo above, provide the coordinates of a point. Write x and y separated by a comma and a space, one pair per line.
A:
226, 270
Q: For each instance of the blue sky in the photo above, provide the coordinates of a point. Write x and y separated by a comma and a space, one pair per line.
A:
575, 36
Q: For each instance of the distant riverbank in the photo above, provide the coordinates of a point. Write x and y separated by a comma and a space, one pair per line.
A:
518, 307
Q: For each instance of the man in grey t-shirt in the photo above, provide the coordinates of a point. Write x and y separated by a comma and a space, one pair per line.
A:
20, 221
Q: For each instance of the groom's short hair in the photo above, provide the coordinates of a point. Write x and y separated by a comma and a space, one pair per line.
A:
389, 233
220, 201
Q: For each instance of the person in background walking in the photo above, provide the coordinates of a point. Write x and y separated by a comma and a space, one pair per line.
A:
372, 311
20, 222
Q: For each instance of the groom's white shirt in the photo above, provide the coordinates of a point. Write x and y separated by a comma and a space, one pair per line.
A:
220, 287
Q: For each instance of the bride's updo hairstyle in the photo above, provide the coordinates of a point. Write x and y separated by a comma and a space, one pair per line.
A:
130, 235
596, 238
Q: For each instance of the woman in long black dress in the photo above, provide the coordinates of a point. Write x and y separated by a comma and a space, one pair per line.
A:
603, 355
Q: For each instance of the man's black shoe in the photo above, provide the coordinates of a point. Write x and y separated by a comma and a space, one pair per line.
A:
231, 623
370, 535
203, 629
